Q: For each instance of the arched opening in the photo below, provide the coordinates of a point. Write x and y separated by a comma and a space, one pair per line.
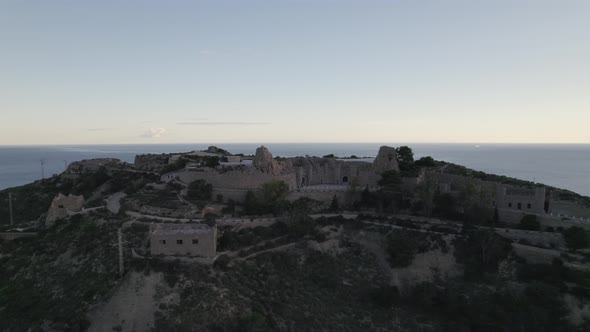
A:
344, 179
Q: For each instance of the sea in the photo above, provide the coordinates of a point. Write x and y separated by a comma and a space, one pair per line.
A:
560, 165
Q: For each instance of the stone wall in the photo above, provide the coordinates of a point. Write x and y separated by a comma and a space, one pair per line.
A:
316, 171
546, 220
567, 208
344, 197
234, 179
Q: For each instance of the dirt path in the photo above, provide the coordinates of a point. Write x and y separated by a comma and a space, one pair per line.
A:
131, 308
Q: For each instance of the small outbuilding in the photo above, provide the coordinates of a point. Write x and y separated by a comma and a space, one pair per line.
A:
195, 240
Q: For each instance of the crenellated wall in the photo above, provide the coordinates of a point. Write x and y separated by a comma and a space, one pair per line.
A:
316, 171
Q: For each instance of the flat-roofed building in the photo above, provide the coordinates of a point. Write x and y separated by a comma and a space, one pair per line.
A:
183, 240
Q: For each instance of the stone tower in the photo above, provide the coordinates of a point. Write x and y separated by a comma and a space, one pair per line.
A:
386, 160
263, 160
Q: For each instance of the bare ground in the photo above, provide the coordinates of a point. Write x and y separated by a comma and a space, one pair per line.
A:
131, 308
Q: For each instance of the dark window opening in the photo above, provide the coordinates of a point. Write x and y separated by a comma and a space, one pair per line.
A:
529, 206
162, 241
178, 241
519, 206
302, 182
345, 179
60, 206
509, 205
195, 241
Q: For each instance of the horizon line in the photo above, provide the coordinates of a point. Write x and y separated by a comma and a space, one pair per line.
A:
262, 142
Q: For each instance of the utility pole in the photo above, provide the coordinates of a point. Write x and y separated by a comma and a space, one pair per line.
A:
42, 168
10, 208
121, 270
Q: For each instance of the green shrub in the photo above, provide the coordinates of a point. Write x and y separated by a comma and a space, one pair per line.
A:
576, 238
530, 222
199, 190
401, 249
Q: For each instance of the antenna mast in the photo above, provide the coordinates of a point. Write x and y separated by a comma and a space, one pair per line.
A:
10, 208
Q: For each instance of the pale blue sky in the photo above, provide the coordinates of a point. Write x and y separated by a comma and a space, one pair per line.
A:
100, 72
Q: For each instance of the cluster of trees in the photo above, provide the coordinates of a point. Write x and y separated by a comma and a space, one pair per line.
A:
408, 166
199, 190
270, 199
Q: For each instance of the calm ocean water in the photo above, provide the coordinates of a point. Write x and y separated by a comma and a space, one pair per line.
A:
563, 166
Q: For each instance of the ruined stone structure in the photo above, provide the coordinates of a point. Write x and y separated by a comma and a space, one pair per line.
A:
386, 160
301, 174
513, 202
311, 171
62, 206
93, 165
528, 200
198, 240
152, 162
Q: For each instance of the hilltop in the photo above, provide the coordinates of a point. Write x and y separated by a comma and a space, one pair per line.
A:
306, 243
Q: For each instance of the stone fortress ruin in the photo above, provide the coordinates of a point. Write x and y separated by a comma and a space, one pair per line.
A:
302, 174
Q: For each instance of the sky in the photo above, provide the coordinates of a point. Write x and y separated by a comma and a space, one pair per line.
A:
129, 72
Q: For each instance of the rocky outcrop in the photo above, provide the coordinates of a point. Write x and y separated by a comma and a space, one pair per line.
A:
263, 160
151, 162
218, 151
265, 163
93, 165
386, 160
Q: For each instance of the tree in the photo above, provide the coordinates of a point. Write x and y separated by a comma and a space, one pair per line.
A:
334, 206
530, 222
273, 192
426, 191
367, 199
576, 238
271, 198
405, 157
425, 162
444, 205
251, 206
199, 190
390, 196
401, 248
390, 181
212, 162
481, 251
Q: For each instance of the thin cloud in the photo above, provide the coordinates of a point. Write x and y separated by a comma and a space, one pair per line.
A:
99, 129
154, 133
211, 123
